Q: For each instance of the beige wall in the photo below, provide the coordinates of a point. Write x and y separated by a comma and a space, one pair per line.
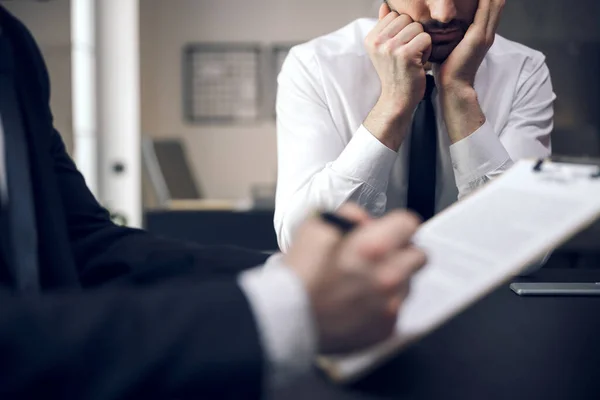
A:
49, 24
227, 160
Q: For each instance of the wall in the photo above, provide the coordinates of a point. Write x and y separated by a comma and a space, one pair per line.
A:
568, 33
49, 24
227, 160
551, 20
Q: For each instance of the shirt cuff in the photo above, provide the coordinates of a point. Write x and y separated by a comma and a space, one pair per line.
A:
477, 155
367, 159
282, 310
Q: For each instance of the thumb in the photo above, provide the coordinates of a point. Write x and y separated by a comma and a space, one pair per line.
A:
381, 237
384, 10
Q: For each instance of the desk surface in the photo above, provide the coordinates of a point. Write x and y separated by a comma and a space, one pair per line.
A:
254, 229
505, 347
250, 229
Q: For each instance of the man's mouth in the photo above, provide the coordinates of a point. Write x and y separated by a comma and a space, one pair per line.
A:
445, 36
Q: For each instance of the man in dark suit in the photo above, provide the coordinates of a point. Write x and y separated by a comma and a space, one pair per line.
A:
91, 310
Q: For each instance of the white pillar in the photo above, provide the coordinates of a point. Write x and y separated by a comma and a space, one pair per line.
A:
83, 66
119, 107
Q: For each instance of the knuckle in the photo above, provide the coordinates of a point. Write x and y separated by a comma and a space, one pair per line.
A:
349, 208
392, 280
372, 42
392, 45
420, 257
391, 16
405, 19
412, 220
400, 52
415, 26
388, 48
409, 219
413, 260
408, 261
384, 37
427, 38
384, 284
320, 232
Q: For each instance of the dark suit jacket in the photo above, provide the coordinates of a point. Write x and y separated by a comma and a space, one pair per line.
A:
122, 314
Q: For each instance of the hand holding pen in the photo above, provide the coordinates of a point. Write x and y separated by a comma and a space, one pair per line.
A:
357, 272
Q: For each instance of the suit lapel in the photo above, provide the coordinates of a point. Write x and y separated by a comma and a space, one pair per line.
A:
57, 268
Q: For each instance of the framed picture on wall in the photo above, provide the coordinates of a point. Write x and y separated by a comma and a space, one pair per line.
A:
221, 83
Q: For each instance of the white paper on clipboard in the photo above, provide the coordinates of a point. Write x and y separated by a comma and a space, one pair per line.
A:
480, 243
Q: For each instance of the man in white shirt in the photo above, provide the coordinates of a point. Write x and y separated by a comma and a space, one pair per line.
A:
416, 110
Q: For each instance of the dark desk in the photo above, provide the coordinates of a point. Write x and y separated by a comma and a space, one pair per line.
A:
505, 347
249, 229
254, 230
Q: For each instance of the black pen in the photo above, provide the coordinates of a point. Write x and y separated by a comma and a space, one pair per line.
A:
343, 224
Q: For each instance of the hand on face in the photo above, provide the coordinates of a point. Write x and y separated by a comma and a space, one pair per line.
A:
356, 283
399, 49
461, 66
458, 47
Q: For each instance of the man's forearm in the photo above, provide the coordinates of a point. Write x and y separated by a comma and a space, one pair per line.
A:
461, 110
389, 123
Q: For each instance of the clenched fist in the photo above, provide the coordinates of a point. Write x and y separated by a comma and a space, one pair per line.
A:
399, 49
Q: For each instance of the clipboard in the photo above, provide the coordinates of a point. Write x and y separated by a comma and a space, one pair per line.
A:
482, 242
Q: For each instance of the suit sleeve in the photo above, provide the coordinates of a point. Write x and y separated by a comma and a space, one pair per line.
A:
173, 341
105, 252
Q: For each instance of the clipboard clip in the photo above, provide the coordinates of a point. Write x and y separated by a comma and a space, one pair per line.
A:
538, 166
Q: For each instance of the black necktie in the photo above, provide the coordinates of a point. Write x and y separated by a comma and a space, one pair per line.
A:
422, 157
19, 213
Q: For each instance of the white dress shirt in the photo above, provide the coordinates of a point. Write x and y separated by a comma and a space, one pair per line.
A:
282, 310
326, 157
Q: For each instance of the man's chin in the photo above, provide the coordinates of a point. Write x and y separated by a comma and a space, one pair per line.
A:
441, 52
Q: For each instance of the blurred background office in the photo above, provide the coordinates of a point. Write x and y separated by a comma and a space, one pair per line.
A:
168, 105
